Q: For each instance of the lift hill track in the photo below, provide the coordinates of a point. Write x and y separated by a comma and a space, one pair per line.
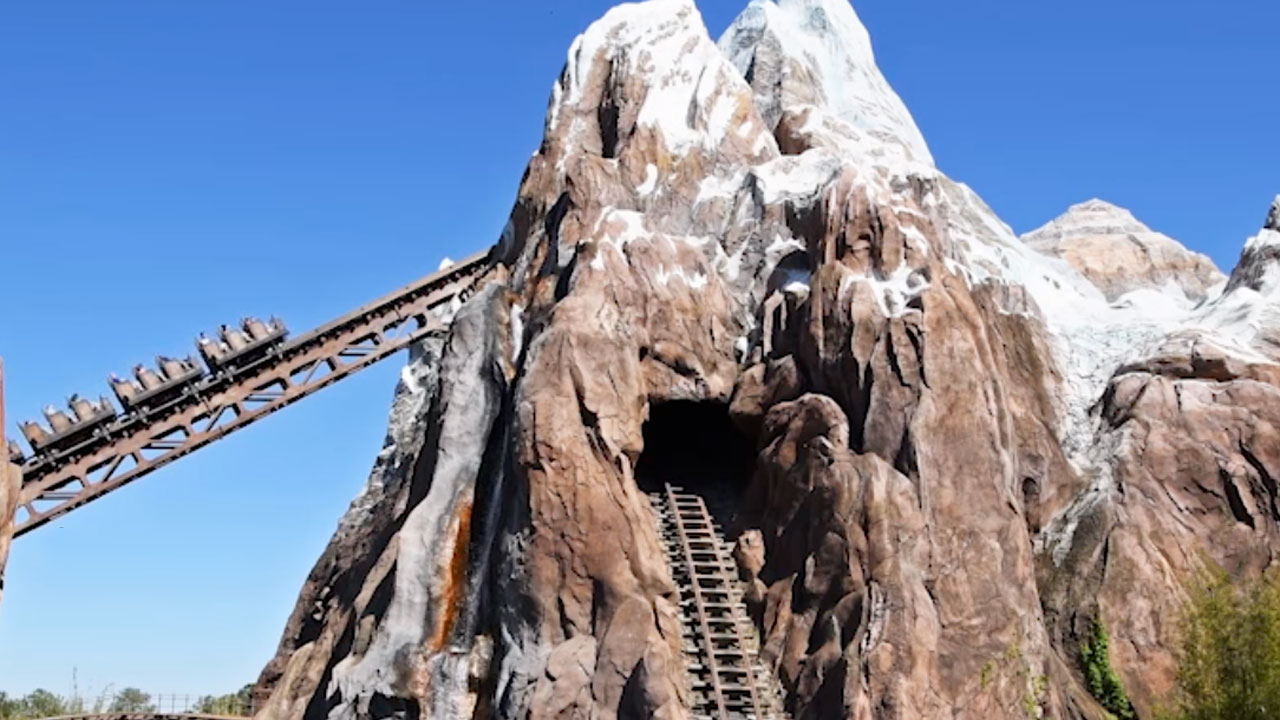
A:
719, 640
251, 373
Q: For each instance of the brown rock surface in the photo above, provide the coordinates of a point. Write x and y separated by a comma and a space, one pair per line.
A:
1117, 253
964, 453
1193, 444
10, 486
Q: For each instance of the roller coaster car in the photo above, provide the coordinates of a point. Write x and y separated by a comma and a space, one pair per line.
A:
15, 453
35, 433
237, 347
69, 430
151, 389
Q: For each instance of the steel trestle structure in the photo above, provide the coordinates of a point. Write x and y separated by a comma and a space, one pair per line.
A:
719, 640
53, 484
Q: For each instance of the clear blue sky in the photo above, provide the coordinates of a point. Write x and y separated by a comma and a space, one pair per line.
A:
168, 166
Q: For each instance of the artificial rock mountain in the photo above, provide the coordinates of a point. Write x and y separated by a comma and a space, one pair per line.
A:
963, 448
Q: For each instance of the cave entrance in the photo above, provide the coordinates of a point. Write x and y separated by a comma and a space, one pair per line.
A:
694, 445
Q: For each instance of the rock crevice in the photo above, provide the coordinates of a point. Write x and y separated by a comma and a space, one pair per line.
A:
959, 449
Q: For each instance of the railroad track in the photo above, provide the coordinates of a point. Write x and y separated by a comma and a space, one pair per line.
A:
719, 640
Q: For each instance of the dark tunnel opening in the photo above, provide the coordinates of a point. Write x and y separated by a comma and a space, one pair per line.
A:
696, 446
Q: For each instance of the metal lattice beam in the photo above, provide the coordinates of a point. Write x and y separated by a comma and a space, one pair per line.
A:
216, 407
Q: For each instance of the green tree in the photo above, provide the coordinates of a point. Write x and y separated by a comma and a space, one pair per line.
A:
237, 703
1229, 659
131, 700
10, 708
1101, 678
42, 703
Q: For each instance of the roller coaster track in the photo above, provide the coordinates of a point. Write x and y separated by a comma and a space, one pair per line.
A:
718, 638
55, 484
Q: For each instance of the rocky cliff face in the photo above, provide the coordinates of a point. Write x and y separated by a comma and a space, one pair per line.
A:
959, 452
1118, 254
10, 486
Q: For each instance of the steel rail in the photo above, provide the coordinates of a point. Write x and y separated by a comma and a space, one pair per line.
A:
700, 605
718, 637
215, 409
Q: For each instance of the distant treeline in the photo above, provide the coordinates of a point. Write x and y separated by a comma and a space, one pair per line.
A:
43, 704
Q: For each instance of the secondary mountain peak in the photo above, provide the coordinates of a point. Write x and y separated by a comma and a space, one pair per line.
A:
1119, 254
733, 282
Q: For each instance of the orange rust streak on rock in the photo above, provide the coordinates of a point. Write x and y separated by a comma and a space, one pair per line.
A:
456, 584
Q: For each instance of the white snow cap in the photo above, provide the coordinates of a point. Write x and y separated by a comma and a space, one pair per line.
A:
1091, 217
692, 93
831, 51
1248, 311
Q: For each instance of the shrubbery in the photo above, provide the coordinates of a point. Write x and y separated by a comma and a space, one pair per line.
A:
1229, 660
36, 704
1101, 678
237, 703
44, 704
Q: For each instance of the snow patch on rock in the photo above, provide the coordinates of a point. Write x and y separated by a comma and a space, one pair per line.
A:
835, 72
893, 293
718, 187
795, 176
693, 96
650, 180
616, 228
1117, 253
517, 331
665, 275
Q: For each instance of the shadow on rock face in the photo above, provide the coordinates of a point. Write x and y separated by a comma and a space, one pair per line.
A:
696, 446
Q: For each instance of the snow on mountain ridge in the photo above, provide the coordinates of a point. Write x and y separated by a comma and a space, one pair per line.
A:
770, 234
810, 62
1094, 215
692, 96
1120, 254
1248, 311
818, 55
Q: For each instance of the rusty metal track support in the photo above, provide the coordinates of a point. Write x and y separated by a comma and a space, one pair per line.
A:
318, 359
719, 642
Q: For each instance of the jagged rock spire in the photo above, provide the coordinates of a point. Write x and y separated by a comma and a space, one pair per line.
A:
940, 413
812, 60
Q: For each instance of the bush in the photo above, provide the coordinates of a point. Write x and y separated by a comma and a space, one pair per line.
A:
1229, 658
132, 700
44, 704
37, 704
237, 703
1101, 678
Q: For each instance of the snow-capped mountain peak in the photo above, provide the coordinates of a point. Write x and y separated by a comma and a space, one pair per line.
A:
812, 60
1119, 254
